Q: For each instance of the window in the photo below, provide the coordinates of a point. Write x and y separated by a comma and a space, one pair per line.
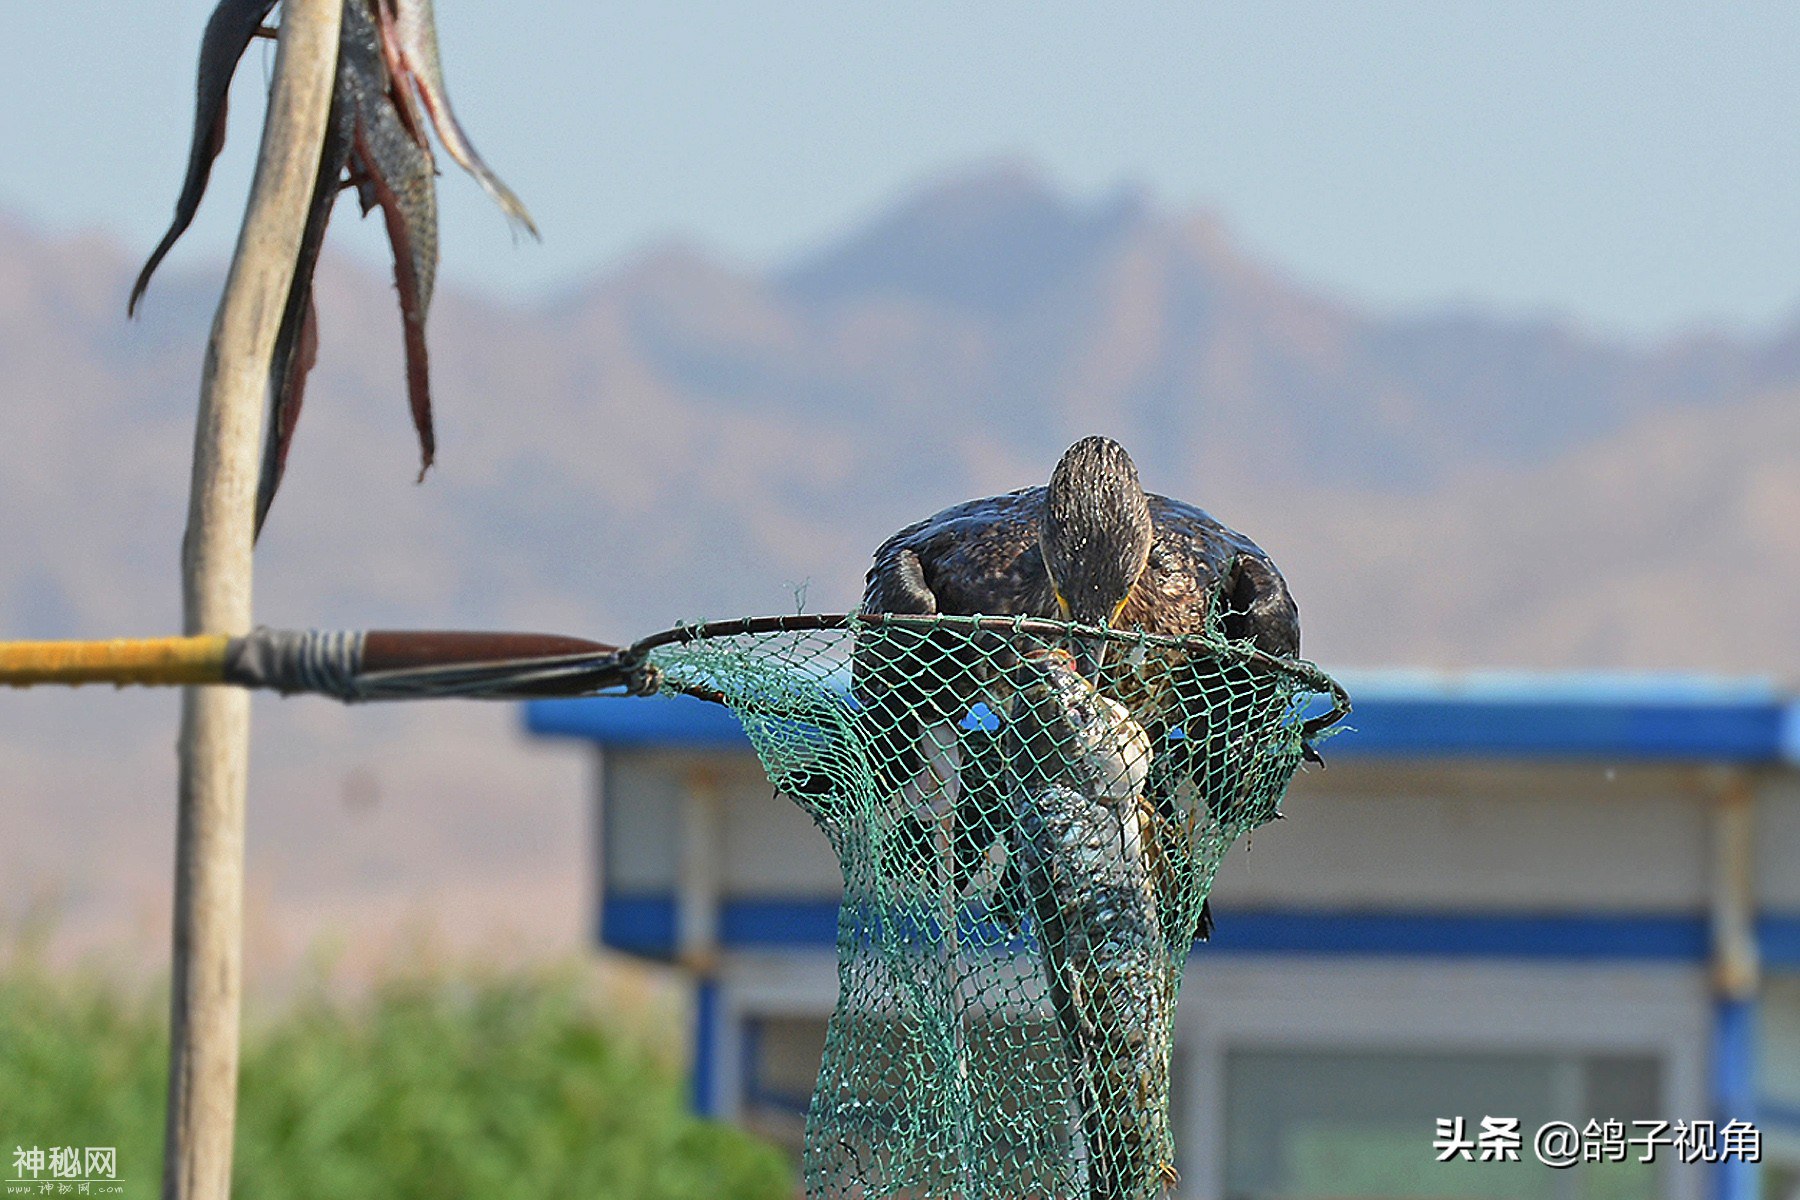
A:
781, 1061
1348, 1124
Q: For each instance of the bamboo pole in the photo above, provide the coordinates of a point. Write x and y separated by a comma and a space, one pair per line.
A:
206, 984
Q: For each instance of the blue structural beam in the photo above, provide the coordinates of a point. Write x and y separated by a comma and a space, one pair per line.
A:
1734, 1089
643, 923
703, 1074
1397, 716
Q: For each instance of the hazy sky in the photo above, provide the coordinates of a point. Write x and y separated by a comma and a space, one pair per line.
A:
1635, 164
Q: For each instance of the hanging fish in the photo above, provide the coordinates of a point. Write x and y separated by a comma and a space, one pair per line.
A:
389, 86
1086, 869
409, 37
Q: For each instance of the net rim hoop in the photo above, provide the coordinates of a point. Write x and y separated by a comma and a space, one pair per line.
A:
1240, 651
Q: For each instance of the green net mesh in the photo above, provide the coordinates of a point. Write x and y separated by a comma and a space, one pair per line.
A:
1026, 859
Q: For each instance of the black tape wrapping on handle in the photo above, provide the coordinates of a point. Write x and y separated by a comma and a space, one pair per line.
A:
289, 661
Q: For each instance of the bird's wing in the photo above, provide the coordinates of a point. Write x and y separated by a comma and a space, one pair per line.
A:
953, 562
976, 557
1259, 607
228, 33
1227, 576
897, 584
910, 564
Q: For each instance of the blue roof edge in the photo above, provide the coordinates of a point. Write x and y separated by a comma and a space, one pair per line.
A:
1397, 715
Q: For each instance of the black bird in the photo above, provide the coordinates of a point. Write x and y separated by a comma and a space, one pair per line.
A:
1092, 547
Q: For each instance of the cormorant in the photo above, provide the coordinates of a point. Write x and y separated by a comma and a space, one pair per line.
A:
1092, 547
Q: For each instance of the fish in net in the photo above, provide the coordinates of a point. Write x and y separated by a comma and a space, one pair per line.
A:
1025, 868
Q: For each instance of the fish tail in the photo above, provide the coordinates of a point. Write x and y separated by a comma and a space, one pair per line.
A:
233, 25
419, 48
297, 339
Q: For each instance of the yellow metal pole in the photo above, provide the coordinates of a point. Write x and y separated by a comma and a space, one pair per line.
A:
151, 662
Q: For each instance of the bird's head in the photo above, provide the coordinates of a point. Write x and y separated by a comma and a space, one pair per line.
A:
1096, 531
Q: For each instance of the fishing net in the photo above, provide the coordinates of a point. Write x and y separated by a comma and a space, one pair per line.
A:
1028, 815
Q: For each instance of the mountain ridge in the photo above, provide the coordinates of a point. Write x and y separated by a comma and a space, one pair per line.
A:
687, 438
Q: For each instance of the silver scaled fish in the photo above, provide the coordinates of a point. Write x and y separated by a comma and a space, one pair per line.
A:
410, 40
1081, 841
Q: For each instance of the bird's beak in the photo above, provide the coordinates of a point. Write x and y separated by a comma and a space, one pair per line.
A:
1090, 656
1090, 653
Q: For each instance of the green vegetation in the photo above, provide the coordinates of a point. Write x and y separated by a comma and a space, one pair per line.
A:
435, 1085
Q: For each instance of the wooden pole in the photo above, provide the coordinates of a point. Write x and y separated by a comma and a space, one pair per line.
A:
206, 986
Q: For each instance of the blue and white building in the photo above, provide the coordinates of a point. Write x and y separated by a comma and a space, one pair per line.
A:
1546, 898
